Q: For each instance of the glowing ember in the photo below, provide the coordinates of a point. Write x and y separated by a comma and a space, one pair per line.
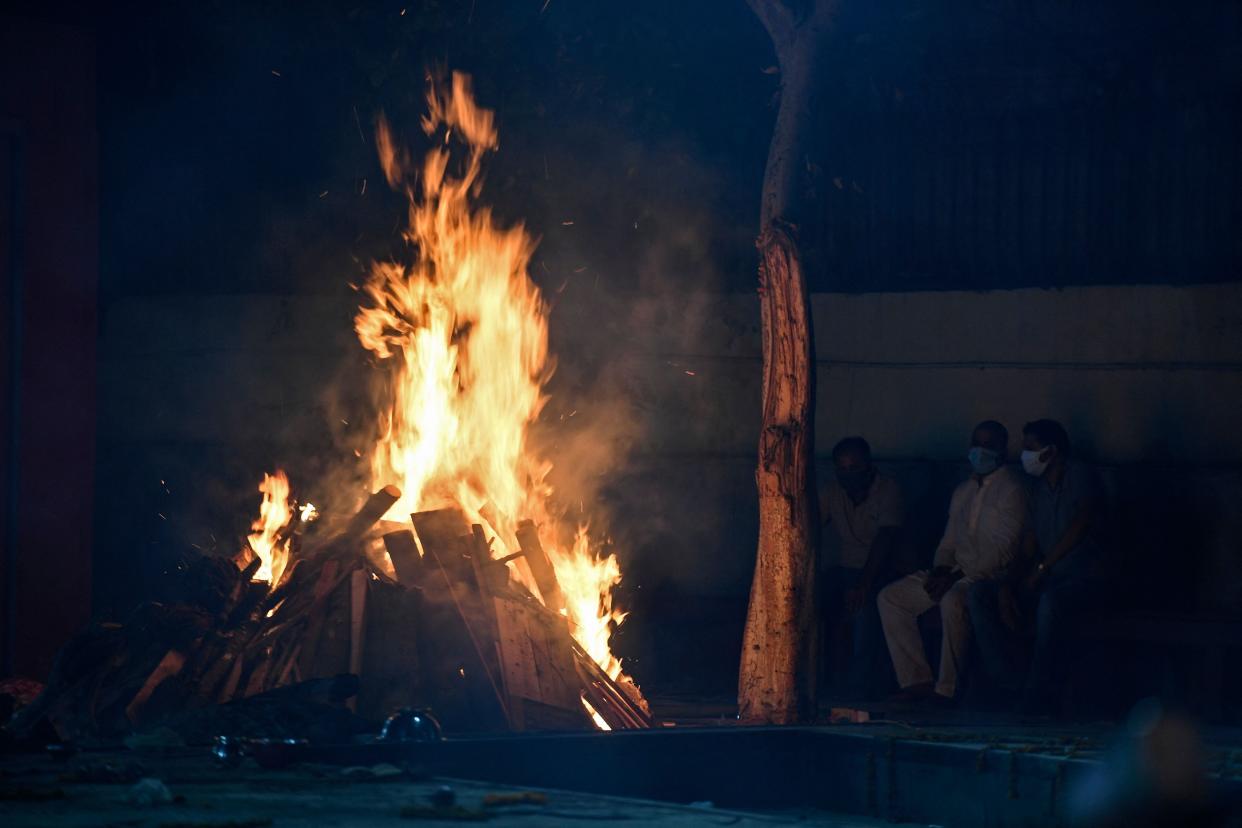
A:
465, 332
275, 513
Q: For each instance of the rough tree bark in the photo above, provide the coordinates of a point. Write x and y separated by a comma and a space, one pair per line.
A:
776, 681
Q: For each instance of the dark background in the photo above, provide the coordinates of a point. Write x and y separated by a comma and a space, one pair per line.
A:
960, 145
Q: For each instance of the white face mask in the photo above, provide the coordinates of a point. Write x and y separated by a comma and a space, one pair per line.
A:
1032, 464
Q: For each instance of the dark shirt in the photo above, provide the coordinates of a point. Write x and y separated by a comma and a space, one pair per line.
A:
1054, 509
858, 524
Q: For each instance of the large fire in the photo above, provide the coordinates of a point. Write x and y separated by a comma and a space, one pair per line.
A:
466, 333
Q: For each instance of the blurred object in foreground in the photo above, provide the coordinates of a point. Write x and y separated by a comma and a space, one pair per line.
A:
16, 693
1156, 775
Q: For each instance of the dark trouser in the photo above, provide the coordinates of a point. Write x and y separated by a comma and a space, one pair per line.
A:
868, 673
1060, 600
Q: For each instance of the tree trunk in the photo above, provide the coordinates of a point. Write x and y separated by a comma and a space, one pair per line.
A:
776, 681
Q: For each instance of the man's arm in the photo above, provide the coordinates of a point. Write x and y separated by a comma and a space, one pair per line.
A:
945, 552
1088, 509
1013, 576
891, 517
880, 554
1020, 564
1005, 535
1082, 481
892, 514
942, 575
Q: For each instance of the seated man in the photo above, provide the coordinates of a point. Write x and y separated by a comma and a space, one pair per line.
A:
864, 510
985, 523
1060, 554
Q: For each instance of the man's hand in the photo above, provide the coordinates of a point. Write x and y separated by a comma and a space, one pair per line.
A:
939, 582
1036, 579
856, 599
1007, 603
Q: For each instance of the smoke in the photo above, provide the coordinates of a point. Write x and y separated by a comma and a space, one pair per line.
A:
636, 285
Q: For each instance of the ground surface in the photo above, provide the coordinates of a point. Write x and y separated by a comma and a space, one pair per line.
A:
967, 728
97, 789
896, 765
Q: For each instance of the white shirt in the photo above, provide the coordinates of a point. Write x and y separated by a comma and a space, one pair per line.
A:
985, 524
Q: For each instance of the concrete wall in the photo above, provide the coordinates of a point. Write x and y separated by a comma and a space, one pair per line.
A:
1138, 373
205, 394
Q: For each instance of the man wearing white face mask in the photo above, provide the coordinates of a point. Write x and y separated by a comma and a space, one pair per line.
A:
980, 540
1060, 553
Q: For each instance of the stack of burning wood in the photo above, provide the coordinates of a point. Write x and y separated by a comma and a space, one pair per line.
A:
452, 633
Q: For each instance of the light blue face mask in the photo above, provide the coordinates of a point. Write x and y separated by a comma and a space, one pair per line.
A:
982, 460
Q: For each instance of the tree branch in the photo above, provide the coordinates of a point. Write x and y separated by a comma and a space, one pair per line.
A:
786, 20
777, 18
822, 15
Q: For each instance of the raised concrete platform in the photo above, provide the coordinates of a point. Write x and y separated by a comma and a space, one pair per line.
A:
861, 774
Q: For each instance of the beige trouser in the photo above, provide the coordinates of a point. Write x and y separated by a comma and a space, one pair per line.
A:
901, 603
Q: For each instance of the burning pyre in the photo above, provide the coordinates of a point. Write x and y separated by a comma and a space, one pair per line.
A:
495, 610
460, 336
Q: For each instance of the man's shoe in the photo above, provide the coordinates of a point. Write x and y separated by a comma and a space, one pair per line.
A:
915, 693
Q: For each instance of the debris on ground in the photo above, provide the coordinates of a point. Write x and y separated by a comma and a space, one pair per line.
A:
501, 800
150, 791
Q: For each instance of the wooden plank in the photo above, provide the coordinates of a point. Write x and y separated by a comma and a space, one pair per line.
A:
169, 666
391, 655
349, 540
403, 552
516, 650
608, 699
480, 558
537, 663
313, 636
540, 566
230, 684
443, 530
558, 680
376, 506
436, 532
517, 705
480, 564
289, 669
257, 682
438, 526
357, 620
325, 649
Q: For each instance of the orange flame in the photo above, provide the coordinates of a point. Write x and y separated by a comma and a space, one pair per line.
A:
275, 513
466, 333
587, 583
